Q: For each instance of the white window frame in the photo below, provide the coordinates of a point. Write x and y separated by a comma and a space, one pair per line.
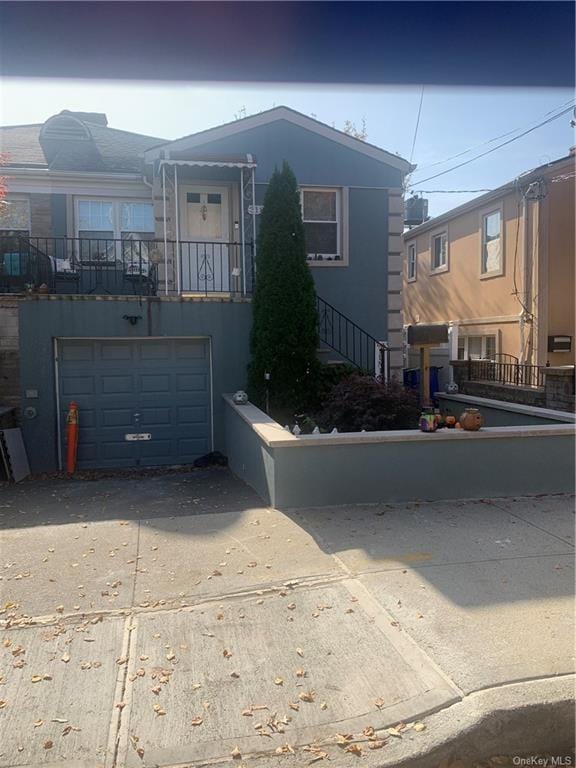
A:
465, 337
26, 199
116, 203
443, 267
411, 278
484, 275
328, 260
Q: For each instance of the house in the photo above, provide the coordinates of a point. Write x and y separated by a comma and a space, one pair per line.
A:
127, 264
499, 270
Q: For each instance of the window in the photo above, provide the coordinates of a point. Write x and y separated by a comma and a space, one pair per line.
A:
321, 214
476, 347
492, 242
439, 251
103, 222
15, 216
411, 262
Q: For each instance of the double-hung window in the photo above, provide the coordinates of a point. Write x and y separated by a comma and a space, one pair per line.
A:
322, 217
111, 231
476, 347
491, 243
439, 251
411, 267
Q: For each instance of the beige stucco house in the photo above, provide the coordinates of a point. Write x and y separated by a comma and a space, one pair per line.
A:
500, 270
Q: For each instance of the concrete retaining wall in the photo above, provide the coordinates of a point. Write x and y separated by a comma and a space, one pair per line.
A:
498, 413
407, 465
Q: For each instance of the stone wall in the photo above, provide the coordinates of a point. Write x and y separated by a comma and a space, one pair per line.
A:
560, 388
9, 352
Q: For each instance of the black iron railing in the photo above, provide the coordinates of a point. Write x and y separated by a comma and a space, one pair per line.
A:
351, 342
514, 373
124, 266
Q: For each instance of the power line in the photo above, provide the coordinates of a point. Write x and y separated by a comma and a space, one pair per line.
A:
417, 124
493, 149
450, 191
489, 141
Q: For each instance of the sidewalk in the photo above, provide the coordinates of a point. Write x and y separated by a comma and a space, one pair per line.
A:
173, 620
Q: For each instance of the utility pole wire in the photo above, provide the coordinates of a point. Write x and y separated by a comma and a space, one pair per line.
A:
488, 141
417, 124
493, 149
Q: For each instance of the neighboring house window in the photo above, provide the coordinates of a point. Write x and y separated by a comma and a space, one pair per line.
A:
102, 222
492, 242
439, 251
15, 216
321, 214
411, 262
476, 347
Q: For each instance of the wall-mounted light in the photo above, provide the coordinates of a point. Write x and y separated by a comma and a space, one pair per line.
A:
132, 319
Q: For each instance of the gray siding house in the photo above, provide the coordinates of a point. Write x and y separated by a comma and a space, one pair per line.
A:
130, 261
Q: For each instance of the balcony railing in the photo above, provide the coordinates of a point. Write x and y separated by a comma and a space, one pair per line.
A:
127, 266
513, 373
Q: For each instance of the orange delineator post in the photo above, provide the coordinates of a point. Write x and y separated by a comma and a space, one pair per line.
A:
71, 438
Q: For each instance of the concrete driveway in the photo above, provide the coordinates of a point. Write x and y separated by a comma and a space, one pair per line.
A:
174, 620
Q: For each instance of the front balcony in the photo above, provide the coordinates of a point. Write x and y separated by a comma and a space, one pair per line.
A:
124, 267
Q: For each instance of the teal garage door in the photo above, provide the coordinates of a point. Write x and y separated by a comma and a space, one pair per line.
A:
141, 403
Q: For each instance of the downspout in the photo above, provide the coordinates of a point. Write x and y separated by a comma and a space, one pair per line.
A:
176, 213
165, 233
242, 234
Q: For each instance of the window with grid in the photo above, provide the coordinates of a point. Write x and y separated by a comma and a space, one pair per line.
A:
102, 222
492, 242
476, 347
439, 250
321, 214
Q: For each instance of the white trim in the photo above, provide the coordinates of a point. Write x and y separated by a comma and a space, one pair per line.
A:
482, 215
328, 258
412, 278
57, 392
464, 338
443, 267
271, 116
116, 215
207, 164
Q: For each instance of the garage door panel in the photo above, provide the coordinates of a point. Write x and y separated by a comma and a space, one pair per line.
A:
116, 417
189, 349
192, 414
159, 387
117, 384
78, 385
191, 382
150, 382
117, 351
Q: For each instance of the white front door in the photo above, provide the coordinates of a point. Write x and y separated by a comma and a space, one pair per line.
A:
204, 236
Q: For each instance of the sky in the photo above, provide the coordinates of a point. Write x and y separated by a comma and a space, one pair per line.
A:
451, 120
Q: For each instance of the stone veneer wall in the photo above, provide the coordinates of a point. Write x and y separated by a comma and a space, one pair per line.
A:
9, 352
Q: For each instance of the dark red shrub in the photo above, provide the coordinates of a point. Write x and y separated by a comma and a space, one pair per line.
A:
360, 402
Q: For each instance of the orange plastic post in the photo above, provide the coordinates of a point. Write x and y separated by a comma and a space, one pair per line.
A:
71, 438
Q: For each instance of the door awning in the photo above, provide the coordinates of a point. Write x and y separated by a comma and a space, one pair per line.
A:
214, 161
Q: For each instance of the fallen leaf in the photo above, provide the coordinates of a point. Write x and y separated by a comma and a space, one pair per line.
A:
355, 749
368, 731
291, 607
306, 696
285, 749
170, 656
65, 658
236, 753
278, 681
294, 705
299, 651
377, 744
323, 705
36, 678
143, 657
196, 721
419, 727
394, 732
140, 753
380, 703
38, 723
59, 720
158, 709
344, 738
226, 654
300, 672
48, 744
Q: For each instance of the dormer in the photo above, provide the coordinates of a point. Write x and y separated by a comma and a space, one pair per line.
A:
67, 142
